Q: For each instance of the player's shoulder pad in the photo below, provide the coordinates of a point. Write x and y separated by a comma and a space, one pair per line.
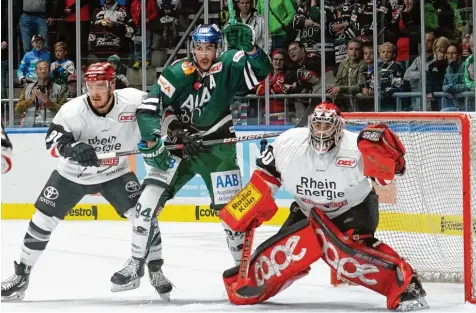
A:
291, 137
172, 76
130, 96
349, 140
74, 107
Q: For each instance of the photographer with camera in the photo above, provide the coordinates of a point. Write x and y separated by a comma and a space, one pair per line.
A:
39, 101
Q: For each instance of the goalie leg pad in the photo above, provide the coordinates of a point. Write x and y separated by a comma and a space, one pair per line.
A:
277, 263
379, 269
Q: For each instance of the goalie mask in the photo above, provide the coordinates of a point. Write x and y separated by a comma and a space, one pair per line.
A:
326, 127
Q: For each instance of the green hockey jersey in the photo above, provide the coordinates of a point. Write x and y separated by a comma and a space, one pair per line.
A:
201, 101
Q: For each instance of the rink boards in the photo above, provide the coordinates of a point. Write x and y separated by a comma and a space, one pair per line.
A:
33, 165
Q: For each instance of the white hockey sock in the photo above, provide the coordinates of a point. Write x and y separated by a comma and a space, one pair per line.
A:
37, 237
144, 223
235, 242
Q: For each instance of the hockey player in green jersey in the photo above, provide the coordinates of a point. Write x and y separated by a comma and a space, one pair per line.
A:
189, 103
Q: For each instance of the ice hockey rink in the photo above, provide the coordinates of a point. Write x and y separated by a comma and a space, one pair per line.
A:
73, 275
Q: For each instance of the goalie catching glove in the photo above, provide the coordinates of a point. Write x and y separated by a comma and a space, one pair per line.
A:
382, 152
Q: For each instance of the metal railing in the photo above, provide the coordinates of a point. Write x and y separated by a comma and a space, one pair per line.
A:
243, 101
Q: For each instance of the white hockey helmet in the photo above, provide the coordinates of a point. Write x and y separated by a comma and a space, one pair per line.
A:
326, 127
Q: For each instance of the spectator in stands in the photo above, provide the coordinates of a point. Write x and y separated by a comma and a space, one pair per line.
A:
408, 34
367, 104
121, 71
34, 19
169, 13
454, 79
276, 86
39, 101
414, 71
342, 30
281, 14
26, 72
444, 18
349, 78
305, 73
469, 68
71, 84
62, 67
390, 76
247, 14
152, 14
307, 22
436, 72
68, 25
112, 29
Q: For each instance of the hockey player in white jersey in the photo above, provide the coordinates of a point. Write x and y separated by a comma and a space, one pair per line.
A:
101, 121
329, 171
6, 152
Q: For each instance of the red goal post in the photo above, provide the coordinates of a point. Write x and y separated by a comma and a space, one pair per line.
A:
429, 214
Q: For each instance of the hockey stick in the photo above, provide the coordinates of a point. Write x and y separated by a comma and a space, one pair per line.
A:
231, 10
112, 158
242, 289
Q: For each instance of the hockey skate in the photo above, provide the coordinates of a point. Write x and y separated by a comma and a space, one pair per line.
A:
129, 277
13, 289
413, 298
158, 280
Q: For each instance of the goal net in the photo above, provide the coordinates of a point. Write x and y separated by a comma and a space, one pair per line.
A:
428, 215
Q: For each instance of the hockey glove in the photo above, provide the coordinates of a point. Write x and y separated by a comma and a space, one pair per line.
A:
240, 36
382, 152
192, 143
82, 153
156, 156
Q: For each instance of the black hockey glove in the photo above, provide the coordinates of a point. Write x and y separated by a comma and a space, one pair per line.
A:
82, 153
177, 135
192, 143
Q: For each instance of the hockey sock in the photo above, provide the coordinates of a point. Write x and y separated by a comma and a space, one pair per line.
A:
235, 241
37, 237
155, 250
145, 224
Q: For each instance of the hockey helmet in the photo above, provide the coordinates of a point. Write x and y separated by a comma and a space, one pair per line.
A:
326, 127
103, 71
207, 34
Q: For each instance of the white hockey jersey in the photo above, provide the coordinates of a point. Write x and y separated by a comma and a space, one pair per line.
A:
333, 182
116, 131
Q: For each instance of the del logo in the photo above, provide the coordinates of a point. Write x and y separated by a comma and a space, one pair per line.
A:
345, 162
127, 117
243, 201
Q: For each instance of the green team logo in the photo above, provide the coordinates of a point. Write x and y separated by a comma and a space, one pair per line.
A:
194, 104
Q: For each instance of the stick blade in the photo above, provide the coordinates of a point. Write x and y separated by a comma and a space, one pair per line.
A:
249, 291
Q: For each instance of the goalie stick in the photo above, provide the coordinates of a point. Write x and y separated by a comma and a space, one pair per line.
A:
242, 288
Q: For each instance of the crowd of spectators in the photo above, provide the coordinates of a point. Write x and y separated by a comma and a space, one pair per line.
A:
111, 30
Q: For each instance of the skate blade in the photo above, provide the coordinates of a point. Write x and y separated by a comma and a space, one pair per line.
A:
165, 296
16, 296
130, 286
413, 305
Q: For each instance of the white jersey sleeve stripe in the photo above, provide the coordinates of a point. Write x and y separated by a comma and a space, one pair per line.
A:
252, 74
150, 107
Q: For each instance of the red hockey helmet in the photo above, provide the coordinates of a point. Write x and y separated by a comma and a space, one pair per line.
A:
326, 127
103, 71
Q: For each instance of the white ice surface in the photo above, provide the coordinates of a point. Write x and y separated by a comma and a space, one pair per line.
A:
73, 275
